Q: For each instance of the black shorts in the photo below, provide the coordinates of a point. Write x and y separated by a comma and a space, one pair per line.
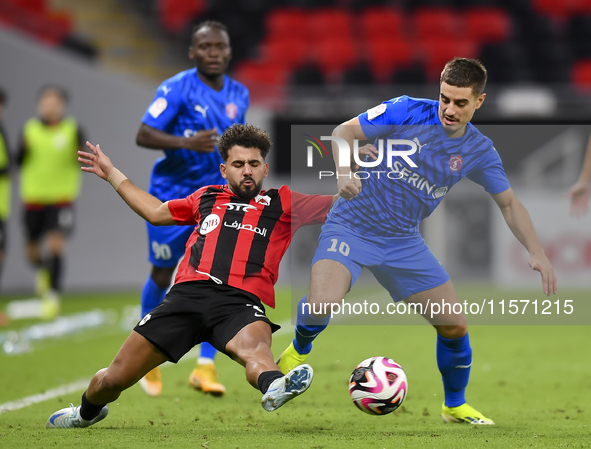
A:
41, 219
2, 235
198, 311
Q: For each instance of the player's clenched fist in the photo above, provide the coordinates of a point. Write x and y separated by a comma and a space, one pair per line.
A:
349, 188
202, 141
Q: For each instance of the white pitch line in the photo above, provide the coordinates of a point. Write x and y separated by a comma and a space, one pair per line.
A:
42, 397
80, 385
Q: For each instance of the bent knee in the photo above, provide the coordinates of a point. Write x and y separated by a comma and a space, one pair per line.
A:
453, 332
162, 277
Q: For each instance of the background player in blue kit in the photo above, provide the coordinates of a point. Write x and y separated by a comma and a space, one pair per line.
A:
185, 119
375, 224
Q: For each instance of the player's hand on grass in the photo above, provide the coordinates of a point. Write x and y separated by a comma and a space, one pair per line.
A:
349, 188
365, 150
579, 198
98, 163
542, 264
202, 141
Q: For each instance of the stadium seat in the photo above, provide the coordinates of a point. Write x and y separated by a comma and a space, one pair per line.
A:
329, 23
175, 15
436, 23
580, 75
437, 52
387, 54
38, 6
333, 56
260, 73
487, 25
379, 22
286, 52
286, 22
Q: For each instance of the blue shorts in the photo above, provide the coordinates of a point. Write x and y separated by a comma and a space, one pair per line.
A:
402, 265
166, 244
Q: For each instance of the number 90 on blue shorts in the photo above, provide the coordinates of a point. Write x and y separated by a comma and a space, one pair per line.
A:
403, 265
166, 244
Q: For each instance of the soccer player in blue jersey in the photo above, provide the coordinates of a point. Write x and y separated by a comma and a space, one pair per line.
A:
375, 223
185, 119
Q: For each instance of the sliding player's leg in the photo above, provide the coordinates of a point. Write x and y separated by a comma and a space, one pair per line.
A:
251, 347
136, 357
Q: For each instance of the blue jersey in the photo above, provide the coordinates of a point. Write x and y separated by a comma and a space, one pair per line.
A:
184, 105
397, 198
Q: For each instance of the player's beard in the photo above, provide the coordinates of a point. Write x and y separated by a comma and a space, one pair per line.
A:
247, 193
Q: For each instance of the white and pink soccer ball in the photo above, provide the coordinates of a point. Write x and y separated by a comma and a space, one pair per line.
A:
378, 386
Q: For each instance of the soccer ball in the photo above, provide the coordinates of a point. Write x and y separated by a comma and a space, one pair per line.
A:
378, 386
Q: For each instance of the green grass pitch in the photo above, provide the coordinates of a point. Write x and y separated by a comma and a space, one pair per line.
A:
534, 381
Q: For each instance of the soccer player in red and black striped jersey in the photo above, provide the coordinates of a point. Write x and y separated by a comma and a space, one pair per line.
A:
224, 280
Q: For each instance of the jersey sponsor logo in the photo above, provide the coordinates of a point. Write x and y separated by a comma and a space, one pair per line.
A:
231, 111
145, 319
416, 140
209, 223
262, 199
240, 207
246, 227
376, 111
158, 107
455, 162
418, 181
202, 109
440, 192
166, 89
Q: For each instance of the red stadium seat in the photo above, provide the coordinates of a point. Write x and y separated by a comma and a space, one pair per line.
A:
488, 25
286, 52
328, 24
437, 52
380, 22
581, 75
333, 56
30, 5
435, 23
388, 54
282, 23
175, 15
255, 73
561, 9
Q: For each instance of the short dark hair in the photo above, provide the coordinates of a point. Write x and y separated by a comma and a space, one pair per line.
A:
208, 24
247, 136
465, 72
63, 93
3, 97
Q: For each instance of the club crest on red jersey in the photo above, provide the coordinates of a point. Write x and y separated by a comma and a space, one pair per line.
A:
231, 111
455, 162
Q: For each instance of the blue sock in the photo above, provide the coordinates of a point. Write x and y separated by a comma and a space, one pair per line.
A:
152, 295
454, 358
307, 328
208, 351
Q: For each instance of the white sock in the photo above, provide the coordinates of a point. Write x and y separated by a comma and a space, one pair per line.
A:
204, 361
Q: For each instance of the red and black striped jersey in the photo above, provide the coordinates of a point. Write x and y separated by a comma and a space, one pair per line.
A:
240, 242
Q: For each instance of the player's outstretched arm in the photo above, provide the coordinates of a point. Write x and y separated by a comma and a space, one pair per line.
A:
348, 186
579, 192
520, 223
202, 141
145, 205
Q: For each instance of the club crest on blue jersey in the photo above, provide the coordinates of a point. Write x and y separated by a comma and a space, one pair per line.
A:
455, 162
